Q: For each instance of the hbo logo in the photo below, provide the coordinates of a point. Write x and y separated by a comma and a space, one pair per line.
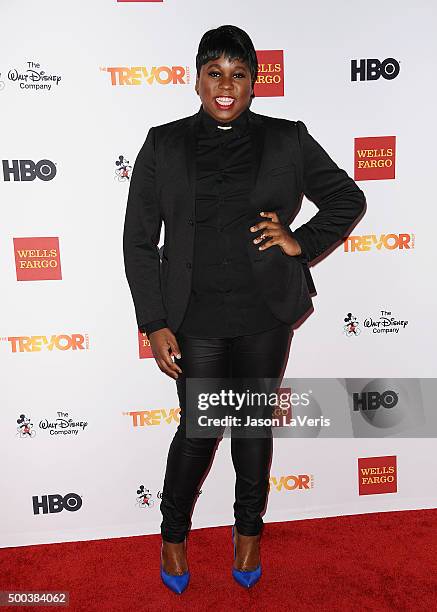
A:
56, 503
372, 69
27, 170
372, 400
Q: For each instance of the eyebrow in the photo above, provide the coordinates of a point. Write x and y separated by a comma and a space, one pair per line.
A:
235, 68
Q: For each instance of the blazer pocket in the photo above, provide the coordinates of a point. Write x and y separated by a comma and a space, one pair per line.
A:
281, 170
289, 168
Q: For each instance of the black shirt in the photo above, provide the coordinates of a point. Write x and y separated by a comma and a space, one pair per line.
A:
224, 300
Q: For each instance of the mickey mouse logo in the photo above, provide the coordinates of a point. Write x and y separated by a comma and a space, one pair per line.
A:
25, 427
352, 327
144, 498
123, 169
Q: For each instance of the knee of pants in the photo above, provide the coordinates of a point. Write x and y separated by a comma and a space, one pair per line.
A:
194, 447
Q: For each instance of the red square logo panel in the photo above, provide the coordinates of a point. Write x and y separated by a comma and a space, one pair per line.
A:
37, 259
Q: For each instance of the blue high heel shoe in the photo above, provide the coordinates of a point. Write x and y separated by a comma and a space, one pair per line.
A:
176, 583
246, 578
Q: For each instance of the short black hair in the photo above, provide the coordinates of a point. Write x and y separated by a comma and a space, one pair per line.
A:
230, 41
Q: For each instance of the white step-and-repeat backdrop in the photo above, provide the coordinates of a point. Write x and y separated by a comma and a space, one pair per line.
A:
86, 415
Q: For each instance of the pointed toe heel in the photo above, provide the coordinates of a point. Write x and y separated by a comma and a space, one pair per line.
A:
245, 578
177, 584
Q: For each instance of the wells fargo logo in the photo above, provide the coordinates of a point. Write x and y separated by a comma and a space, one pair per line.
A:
37, 259
372, 242
148, 75
145, 350
375, 158
61, 342
146, 418
270, 81
291, 482
377, 475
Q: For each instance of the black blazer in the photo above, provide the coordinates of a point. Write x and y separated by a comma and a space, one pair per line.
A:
289, 164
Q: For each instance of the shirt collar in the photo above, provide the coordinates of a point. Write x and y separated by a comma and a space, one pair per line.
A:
239, 124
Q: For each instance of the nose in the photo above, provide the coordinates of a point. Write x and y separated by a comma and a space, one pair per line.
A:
226, 84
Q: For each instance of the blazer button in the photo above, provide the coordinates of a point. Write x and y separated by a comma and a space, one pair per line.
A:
188, 264
190, 221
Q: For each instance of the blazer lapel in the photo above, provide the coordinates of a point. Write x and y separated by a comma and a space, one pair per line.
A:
190, 157
257, 130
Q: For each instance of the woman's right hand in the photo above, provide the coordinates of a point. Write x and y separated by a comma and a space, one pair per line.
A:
164, 345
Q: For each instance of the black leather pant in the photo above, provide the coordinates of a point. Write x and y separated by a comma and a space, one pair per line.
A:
256, 355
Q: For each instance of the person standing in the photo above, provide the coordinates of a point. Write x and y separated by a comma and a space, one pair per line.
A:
234, 277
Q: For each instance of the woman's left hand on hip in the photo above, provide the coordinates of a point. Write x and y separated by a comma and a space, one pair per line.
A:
274, 233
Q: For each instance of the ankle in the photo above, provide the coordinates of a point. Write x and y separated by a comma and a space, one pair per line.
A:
247, 556
174, 557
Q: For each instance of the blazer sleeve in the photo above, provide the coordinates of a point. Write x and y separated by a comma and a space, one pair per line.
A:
339, 199
153, 326
141, 234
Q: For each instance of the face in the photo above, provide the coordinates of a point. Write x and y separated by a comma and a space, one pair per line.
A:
225, 88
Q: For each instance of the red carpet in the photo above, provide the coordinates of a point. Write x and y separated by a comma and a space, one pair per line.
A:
376, 562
